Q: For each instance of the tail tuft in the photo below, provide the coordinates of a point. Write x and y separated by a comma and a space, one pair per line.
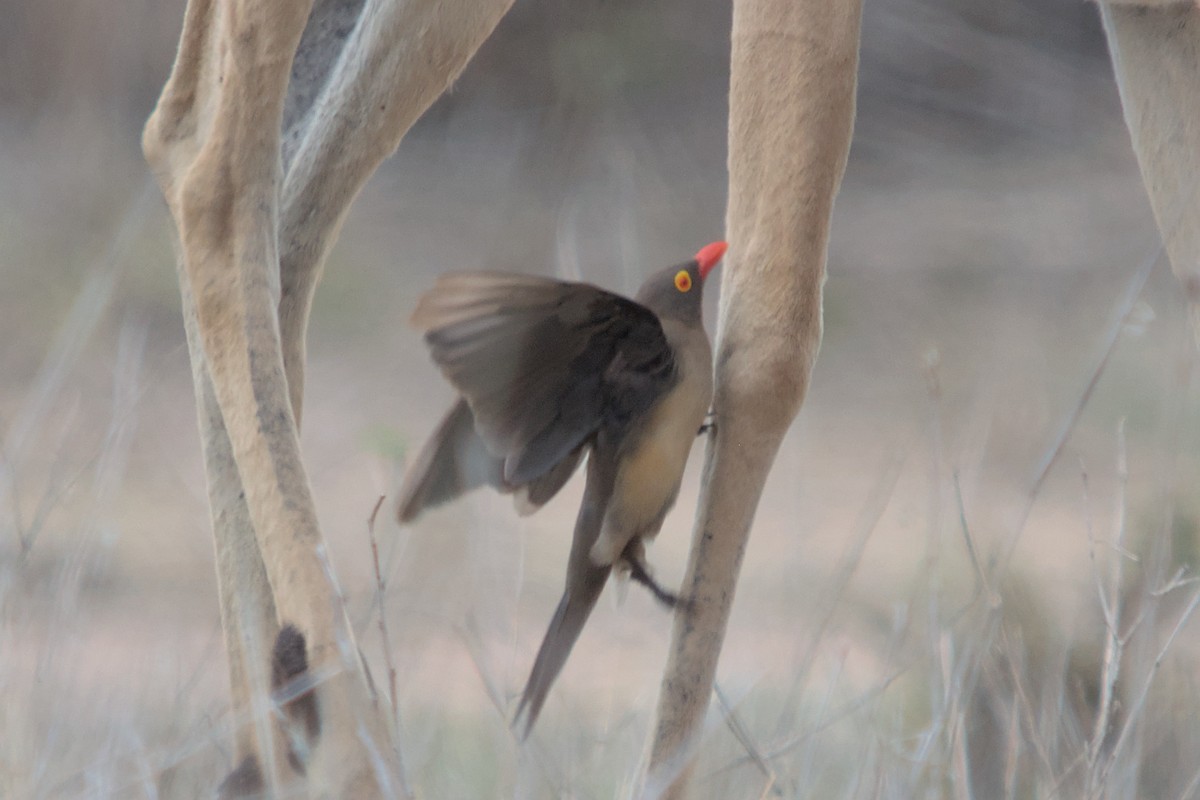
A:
295, 693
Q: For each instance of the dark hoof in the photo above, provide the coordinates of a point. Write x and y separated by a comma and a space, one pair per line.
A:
243, 783
294, 693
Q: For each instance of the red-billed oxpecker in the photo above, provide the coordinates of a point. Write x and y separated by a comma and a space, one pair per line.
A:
549, 370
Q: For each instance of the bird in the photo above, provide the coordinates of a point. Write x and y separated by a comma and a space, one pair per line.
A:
548, 371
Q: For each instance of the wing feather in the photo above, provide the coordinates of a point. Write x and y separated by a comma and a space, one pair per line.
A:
543, 363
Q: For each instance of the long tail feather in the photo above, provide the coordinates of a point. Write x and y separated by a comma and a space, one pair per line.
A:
585, 582
573, 611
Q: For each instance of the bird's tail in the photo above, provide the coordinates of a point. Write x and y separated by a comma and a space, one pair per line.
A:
573, 610
585, 582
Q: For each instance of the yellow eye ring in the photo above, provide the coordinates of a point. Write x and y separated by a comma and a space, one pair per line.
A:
683, 281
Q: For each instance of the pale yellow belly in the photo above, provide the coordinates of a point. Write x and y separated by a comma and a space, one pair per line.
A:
649, 476
648, 481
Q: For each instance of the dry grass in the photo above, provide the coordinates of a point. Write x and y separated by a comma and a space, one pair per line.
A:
858, 665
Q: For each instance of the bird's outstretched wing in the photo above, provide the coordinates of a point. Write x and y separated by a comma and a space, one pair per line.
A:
543, 363
455, 460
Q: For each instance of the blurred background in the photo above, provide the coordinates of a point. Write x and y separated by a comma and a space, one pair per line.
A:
985, 262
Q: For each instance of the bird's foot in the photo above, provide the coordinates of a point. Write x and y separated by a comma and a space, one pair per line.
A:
640, 574
710, 424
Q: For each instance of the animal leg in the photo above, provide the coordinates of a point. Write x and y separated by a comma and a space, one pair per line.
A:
791, 112
392, 70
1156, 60
248, 617
216, 169
213, 143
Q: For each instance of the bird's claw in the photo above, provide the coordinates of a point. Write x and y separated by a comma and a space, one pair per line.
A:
641, 574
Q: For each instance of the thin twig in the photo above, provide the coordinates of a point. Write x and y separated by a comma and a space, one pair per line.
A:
1110, 603
380, 592
1010, 648
71, 341
992, 597
1174, 582
386, 642
865, 526
1136, 709
822, 710
1112, 335
837, 716
747, 742
1013, 762
532, 747
1109, 620
1192, 786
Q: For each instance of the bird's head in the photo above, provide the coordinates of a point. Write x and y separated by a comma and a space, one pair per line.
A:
676, 292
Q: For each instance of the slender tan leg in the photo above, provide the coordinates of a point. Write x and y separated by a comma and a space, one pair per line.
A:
214, 144
247, 607
777, 235
1156, 60
396, 67
794, 65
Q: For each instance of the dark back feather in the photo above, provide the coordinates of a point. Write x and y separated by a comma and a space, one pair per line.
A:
543, 363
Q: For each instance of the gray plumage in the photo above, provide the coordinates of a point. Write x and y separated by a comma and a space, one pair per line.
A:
547, 370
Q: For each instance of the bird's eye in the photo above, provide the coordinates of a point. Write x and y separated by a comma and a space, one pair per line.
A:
683, 281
